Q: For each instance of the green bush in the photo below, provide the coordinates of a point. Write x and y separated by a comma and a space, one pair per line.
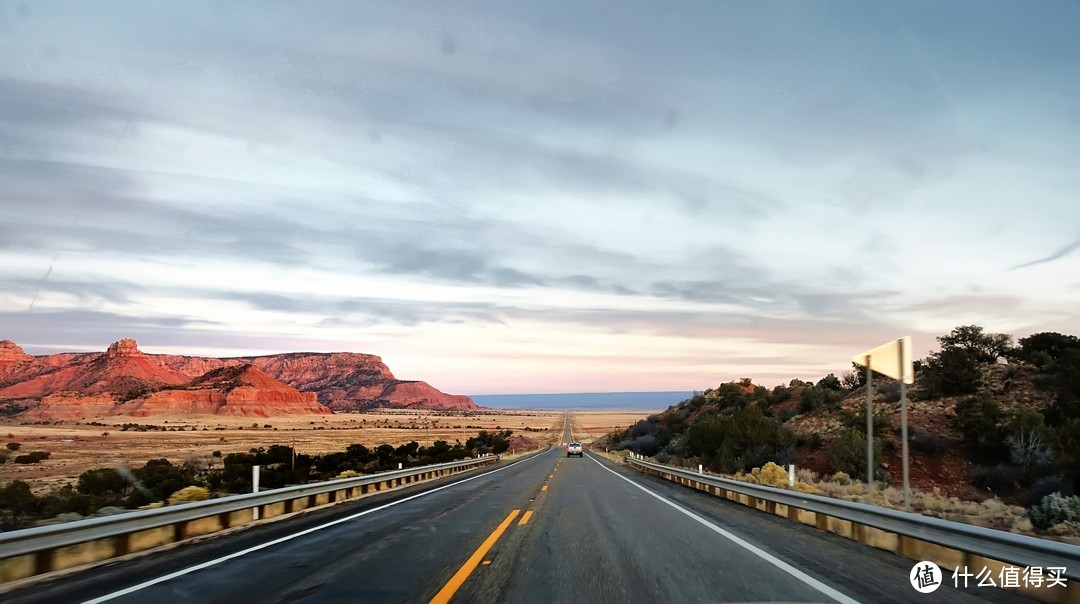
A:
979, 419
847, 453
14, 446
951, 372
1054, 509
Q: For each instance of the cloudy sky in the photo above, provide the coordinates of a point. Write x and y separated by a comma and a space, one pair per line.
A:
539, 197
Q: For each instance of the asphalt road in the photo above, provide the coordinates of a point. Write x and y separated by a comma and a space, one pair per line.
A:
544, 529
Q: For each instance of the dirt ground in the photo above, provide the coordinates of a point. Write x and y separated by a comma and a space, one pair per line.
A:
77, 446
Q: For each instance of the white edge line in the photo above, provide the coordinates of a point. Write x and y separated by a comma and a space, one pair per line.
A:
766, 556
216, 561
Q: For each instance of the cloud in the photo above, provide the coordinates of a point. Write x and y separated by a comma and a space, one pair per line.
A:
1061, 253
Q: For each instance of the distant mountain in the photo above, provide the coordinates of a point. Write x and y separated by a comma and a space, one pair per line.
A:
125, 381
585, 400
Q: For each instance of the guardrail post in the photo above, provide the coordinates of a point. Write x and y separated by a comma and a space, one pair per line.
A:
700, 469
791, 475
255, 489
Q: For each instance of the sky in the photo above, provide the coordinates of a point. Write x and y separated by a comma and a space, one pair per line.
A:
513, 197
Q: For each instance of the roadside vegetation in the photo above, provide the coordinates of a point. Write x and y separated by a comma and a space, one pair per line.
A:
995, 436
160, 482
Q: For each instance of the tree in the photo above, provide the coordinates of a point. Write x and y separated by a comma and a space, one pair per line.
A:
984, 347
102, 482
18, 501
1041, 349
831, 382
951, 372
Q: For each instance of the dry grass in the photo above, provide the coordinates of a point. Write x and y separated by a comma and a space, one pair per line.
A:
990, 513
78, 446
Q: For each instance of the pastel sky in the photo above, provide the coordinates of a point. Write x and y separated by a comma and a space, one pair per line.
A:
503, 197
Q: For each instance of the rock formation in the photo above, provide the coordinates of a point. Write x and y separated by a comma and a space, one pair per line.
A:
125, 381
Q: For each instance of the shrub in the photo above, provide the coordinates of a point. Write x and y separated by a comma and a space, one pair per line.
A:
951, 372
102, 482
840, 478
927, 442
1054, 509
771, 474
890, 391
26, 459
1002, 479
189, 494
1045, 486
978, 419
348, 474
14, 446
848, 453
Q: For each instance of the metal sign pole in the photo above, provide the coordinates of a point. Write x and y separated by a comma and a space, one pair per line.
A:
869, 432
903, 427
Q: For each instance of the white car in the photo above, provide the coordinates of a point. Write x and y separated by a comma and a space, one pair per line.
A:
575, 449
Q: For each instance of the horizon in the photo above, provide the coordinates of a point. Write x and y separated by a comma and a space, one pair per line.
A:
678, 197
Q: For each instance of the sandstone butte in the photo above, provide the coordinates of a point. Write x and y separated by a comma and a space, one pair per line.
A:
125, 381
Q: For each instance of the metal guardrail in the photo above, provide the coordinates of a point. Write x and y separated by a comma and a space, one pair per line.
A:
989, 543
46, 538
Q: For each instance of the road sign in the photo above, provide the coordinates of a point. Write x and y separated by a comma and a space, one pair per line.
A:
892, 360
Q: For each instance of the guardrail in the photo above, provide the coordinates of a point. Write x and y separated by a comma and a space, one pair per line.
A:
950, 544
28, 552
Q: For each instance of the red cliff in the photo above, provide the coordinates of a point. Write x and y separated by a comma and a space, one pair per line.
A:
124, 380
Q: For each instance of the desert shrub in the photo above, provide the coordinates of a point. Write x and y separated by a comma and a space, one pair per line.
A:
1054, 509
771, 475
348, 474
663, 457
14, 446
1043, 487
890, 391
840, 478
189, 494
951, 372
1030, 450
882, 422
18, 504
927, 442
26, 459
1002, 479
978, 419
102, 482
847, 453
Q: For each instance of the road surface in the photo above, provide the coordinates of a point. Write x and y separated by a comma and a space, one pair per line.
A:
544, 529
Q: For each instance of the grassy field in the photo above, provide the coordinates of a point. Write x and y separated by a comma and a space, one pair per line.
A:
75, 447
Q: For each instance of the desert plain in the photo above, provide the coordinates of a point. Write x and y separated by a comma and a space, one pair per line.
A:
75, 446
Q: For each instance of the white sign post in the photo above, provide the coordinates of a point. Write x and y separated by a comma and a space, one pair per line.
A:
892, 360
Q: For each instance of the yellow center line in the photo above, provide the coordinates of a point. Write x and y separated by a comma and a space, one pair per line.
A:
466, 569
525, 518
543, 488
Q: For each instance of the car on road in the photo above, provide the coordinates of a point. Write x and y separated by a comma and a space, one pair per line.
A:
575, 449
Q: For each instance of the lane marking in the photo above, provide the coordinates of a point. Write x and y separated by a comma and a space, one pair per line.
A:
216, 561
543, 488
486, 562
766, 556
525, 518
455, 583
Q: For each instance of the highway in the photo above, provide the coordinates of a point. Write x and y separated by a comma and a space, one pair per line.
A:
546, 528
